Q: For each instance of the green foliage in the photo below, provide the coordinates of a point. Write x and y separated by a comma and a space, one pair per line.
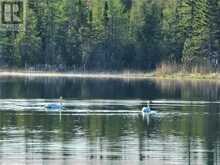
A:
150, 35
115, 34
27, 43
197, 31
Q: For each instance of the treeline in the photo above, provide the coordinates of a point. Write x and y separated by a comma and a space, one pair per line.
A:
114, 34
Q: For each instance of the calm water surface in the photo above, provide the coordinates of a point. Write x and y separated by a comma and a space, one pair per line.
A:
102, 123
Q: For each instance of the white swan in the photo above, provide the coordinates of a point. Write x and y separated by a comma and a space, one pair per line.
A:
55, 106
146, 109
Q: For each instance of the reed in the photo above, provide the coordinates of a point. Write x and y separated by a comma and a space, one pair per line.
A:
174, 70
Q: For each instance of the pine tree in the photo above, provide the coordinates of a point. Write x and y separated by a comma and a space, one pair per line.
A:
214, 31
150, 36
27, 43
8, 48
193, 29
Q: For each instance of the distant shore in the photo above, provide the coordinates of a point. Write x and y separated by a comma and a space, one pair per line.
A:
189, 76
122, 75
101, 75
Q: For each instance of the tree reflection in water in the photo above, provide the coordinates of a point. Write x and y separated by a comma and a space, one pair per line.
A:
103, 122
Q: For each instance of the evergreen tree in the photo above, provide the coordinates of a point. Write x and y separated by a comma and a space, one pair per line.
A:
7, 42
27, 43
115, 34
214, 31
193, 29
150, 36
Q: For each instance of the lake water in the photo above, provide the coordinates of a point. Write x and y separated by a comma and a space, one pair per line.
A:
102, 122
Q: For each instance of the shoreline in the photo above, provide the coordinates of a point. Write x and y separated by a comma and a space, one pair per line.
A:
101, 75
189, 76
108, 75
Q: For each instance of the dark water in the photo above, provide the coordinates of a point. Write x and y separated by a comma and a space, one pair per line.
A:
102, 122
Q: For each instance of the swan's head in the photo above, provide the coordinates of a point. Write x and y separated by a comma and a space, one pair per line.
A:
61, 99
148, 103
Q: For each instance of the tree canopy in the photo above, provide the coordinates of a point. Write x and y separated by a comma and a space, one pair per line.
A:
114, 34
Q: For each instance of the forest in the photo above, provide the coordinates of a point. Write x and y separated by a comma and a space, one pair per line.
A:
114, 35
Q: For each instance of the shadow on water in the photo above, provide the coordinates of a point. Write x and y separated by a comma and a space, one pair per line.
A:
103, 122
